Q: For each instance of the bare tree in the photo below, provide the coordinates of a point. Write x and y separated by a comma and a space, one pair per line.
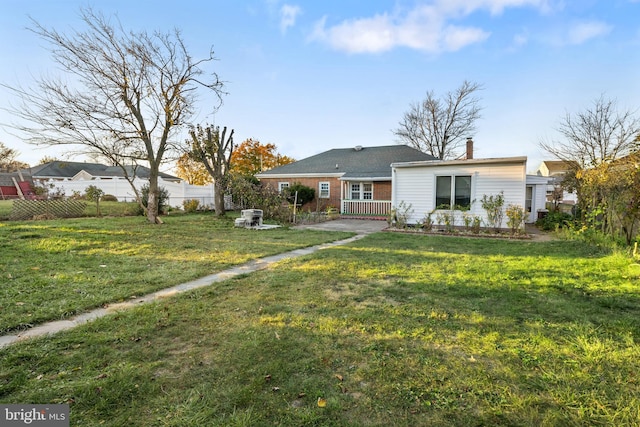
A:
214, 150
127, 95
440, 126
597, 135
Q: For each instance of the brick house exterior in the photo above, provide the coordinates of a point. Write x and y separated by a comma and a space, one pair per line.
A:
355, 181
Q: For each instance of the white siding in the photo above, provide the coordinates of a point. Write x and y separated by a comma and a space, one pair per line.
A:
415, 185
539, 201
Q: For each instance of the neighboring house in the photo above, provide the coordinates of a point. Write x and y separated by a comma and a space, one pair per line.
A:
556, 170
70, 177
356, 181
75, 171
15, 185
428, 186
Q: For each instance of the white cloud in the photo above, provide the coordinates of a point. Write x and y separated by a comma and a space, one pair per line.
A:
288, 15
428, 27
520, 40
584, 31
495, 7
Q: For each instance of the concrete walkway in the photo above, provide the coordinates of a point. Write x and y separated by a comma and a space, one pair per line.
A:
362, 227
250, 267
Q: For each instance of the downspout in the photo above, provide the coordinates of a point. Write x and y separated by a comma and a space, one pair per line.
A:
394, 189
341, 197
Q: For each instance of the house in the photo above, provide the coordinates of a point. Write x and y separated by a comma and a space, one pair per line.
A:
76, 171
74, 177
556, 170
459, 186
356, 181
15, 185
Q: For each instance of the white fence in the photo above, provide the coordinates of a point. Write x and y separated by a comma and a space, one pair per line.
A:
119, 187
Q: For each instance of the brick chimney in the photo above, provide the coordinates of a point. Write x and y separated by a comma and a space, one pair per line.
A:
469, 148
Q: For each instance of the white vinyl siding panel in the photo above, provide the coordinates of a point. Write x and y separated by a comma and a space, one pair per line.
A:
416, 185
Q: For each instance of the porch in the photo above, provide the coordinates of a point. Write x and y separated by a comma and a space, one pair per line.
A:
360, 198
365, 208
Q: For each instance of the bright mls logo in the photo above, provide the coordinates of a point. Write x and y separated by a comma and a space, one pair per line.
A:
34, 415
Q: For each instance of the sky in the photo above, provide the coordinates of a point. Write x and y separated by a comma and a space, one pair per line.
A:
309, 76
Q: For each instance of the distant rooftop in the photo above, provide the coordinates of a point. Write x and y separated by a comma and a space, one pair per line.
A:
62, 169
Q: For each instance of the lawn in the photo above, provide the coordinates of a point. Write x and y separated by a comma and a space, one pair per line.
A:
5, 208
55, 269
392, 329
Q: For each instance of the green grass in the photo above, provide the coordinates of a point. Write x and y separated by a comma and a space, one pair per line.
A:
393, 329
54, 269
112, 209
5, 208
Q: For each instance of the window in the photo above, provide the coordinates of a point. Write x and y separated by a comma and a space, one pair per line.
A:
361, 191
453, 192
355, 191
282, 186
323, 192
367, 191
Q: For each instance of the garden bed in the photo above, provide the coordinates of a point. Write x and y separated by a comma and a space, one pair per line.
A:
506, 234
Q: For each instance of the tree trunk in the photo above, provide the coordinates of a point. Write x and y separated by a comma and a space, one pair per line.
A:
152, 199
218, 197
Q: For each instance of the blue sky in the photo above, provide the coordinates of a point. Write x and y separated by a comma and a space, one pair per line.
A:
309, 76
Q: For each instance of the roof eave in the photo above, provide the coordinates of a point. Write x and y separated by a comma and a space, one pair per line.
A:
430, 163
366, 178
300, 175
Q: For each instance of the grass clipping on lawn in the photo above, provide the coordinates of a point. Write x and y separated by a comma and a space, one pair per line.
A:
390, 330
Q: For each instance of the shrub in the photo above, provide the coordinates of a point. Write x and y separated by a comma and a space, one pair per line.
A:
305, 194
191, 205
250, 193
109, 198
399, 216
476, 224
427, 222
447, 218
493, 206
515, 218
94, 194
554, 220
163, 197
467, 220
47, 192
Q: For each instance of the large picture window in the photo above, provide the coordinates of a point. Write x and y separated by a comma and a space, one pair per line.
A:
453, 192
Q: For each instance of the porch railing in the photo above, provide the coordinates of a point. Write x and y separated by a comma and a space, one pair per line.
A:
366, 207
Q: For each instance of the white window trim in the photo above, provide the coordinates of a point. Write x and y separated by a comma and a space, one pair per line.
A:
282, 185
453, 177
320, 195
360, 190
362, 184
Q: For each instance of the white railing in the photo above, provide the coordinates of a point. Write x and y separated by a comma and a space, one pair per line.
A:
366, 207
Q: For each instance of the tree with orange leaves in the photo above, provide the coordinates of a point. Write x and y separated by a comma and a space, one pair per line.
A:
192, 170
252, 157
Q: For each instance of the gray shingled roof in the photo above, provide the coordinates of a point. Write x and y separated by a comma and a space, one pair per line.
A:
62, 169
367, 162
7, 181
